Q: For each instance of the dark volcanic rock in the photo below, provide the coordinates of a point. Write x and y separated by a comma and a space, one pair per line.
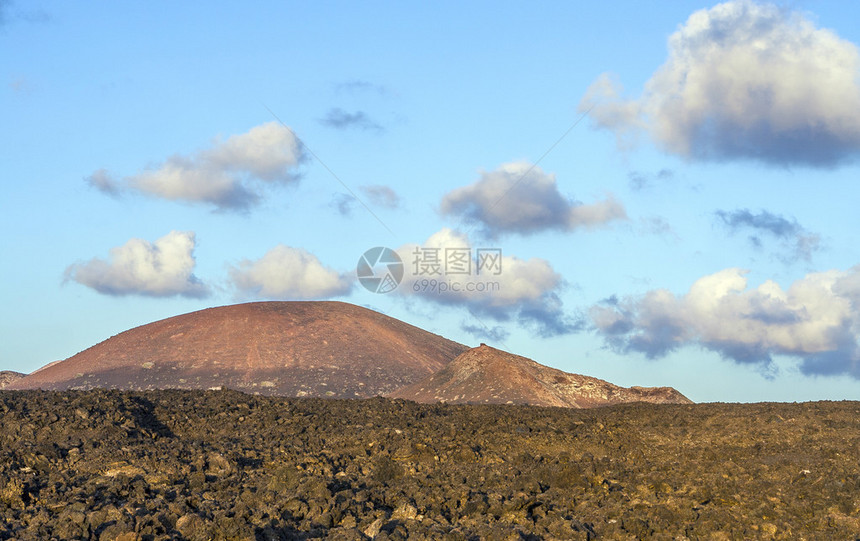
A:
8, 376
226, 465
486, 375
331, 349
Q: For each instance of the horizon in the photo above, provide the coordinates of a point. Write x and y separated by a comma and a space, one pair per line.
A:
671, 207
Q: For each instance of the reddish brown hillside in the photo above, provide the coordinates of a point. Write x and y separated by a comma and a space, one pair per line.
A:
490, 376
286, 348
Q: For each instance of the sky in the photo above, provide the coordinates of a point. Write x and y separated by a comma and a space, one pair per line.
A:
648, 194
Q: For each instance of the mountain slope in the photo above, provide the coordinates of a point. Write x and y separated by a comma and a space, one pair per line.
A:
8, 376
315, 348
490, 376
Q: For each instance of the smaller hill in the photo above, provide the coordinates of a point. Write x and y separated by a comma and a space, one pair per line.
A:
8, 376
487, 375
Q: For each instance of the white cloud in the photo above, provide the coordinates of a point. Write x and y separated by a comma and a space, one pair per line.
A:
229, 175
520, 197
744, 81
268, 152
290, 274
817, 319
160, 269
517, 288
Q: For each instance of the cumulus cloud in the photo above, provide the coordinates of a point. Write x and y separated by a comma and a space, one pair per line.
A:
139, 267
290, 274
816, 320
744, 81
229, 175
520, 198
796, 241
448, 270
341, 120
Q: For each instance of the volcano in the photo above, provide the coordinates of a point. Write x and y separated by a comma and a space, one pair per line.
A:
314, 348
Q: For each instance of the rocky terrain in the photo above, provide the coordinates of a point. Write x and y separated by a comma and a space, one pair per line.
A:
8, 376
320, 348
485, 375
226, 465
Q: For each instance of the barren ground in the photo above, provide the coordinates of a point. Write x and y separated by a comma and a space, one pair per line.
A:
226, 465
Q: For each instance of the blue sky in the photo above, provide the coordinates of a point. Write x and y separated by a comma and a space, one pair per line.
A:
672, 188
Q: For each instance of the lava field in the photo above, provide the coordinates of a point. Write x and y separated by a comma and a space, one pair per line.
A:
203, 465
